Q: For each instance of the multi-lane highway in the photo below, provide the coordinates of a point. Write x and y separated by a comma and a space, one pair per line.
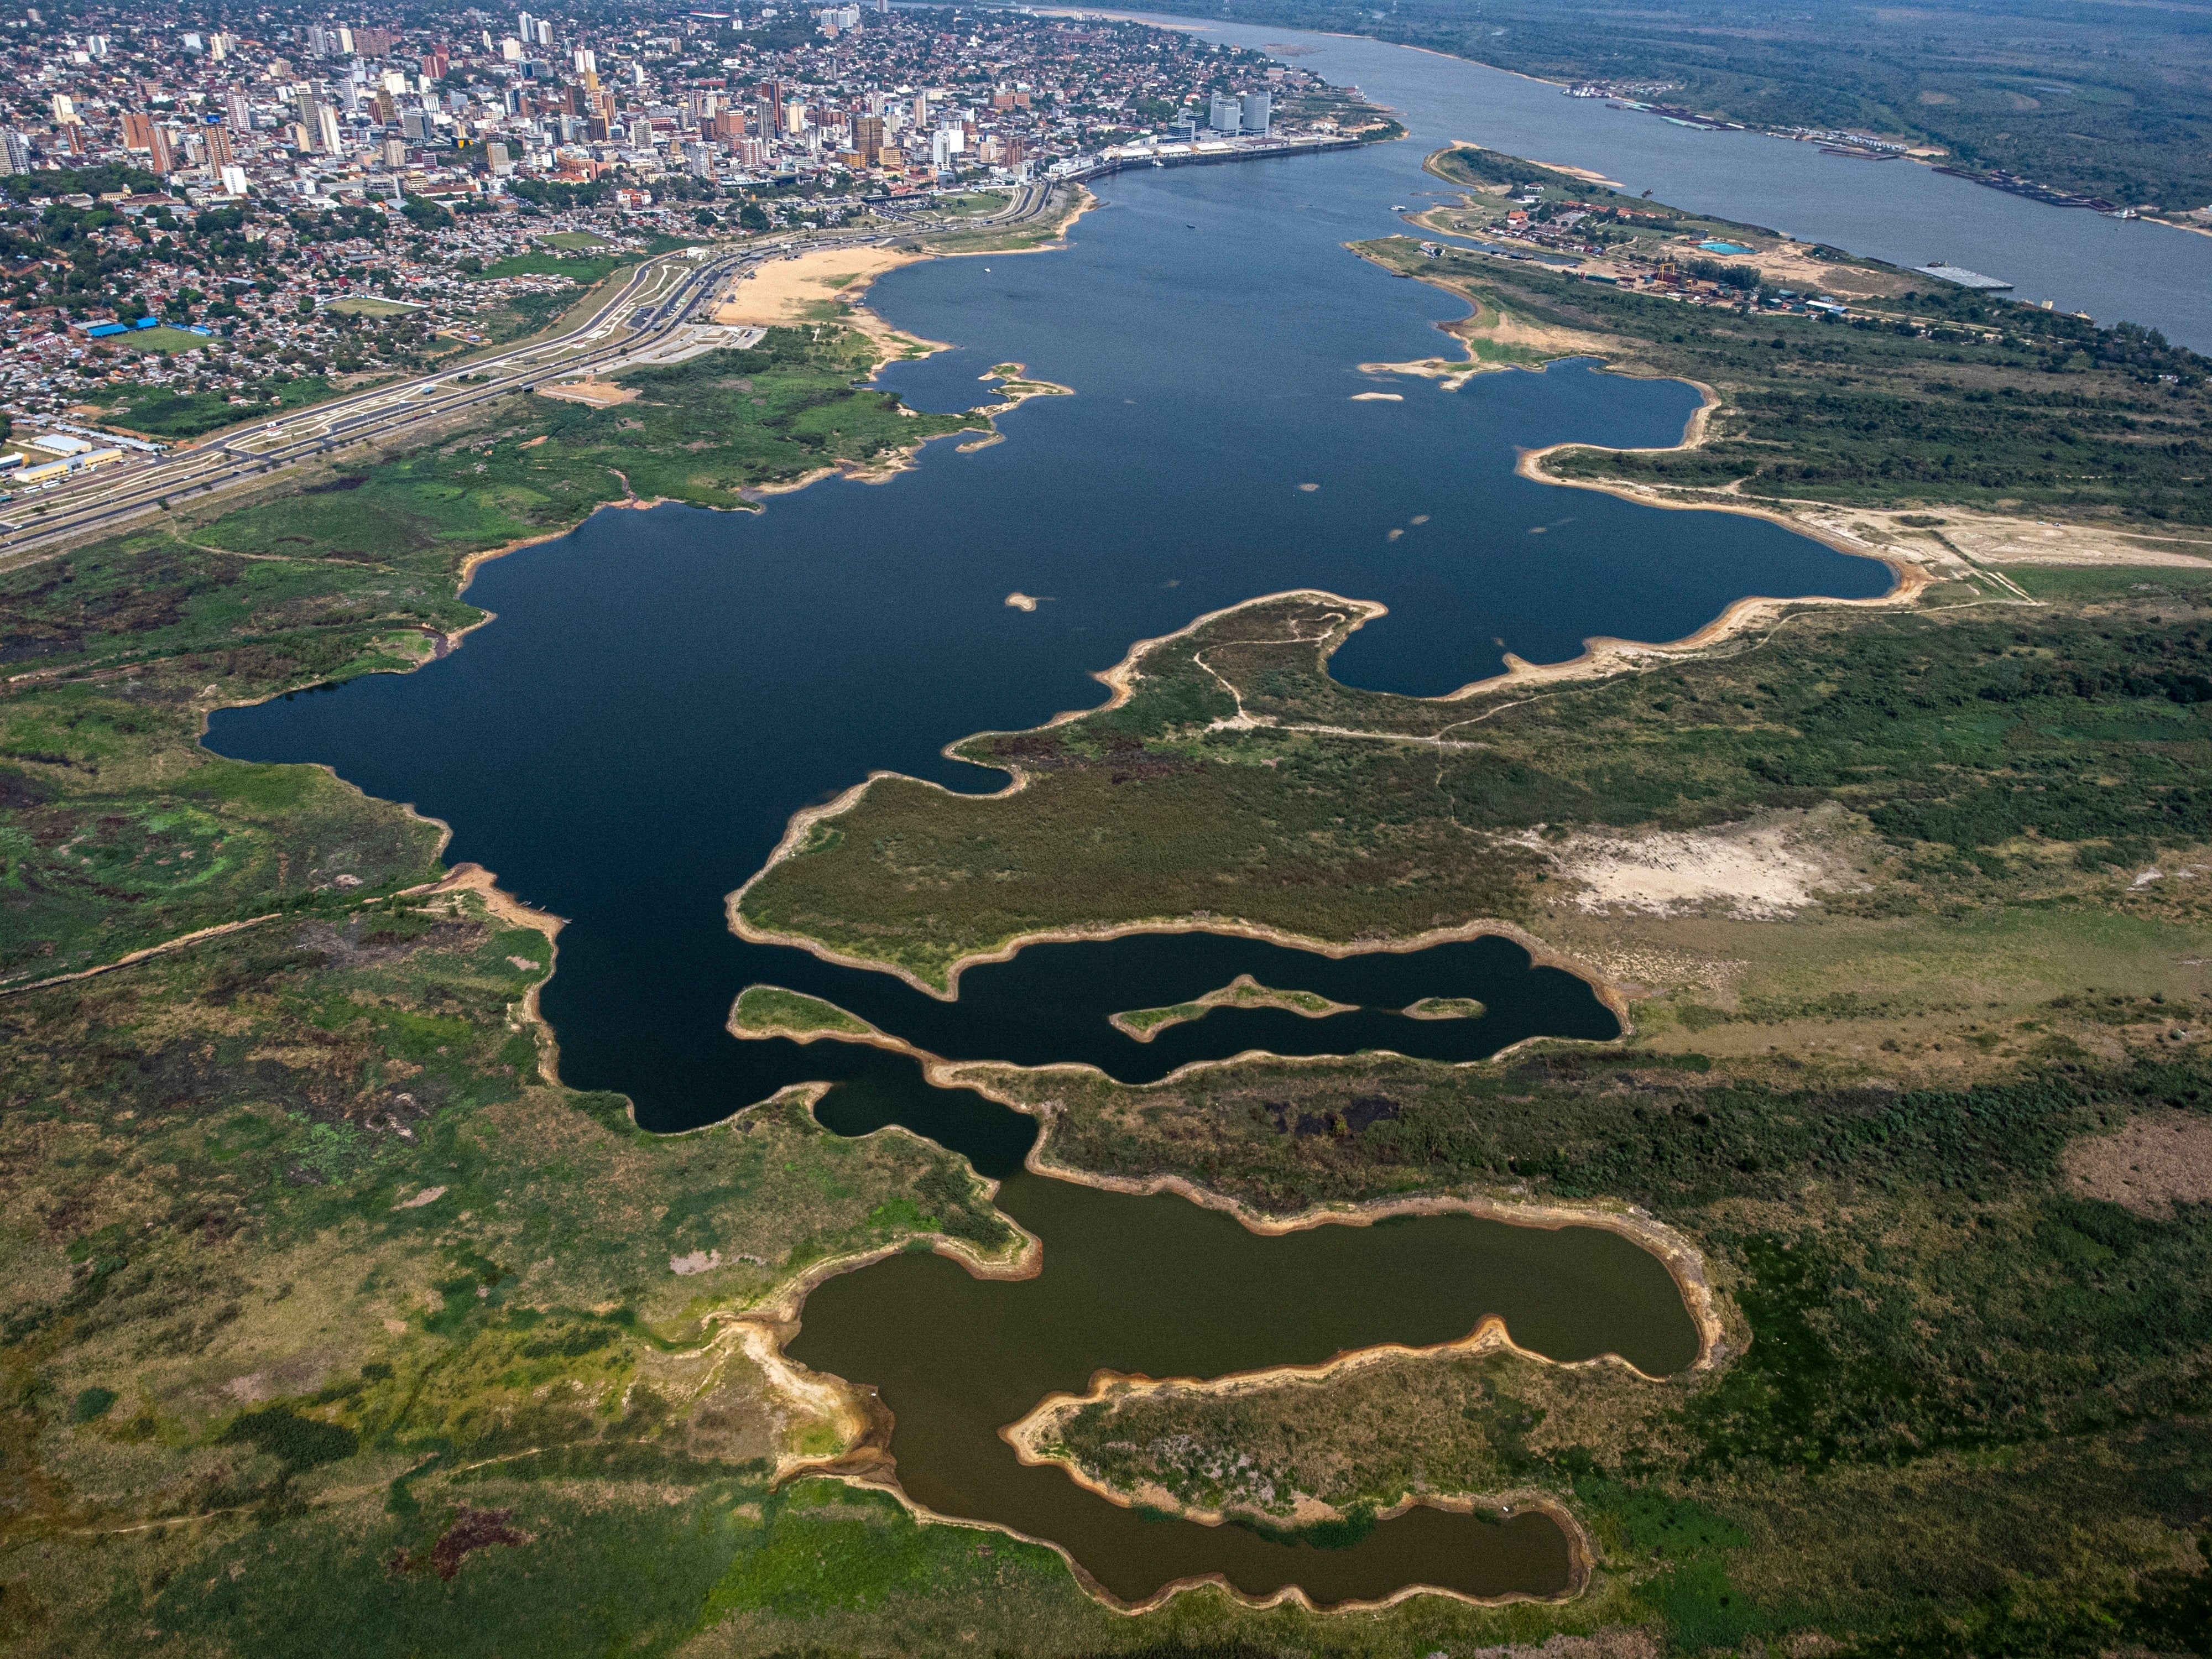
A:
658, 299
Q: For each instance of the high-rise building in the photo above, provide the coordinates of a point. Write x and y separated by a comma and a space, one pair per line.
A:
15, 150
1256, 110
234, 180
327, 132
395, 152
158, 159
1224, 115
218, 144
868, 137
699, 160
239, 113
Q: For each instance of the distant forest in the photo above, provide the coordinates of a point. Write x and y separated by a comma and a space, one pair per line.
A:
2112, 100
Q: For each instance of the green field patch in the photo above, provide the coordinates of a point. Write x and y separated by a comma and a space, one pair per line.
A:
167, 341
584, 272
162, 413
763, 1010
365, 305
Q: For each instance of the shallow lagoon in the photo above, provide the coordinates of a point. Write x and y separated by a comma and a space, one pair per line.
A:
662, 690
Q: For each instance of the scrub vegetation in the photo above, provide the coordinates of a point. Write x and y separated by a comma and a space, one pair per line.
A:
1935, 396
332, 1326
762, 1009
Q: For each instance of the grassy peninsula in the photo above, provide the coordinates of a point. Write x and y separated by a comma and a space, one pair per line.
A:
1925, 396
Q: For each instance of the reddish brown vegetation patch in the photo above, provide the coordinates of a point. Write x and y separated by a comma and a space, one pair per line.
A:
2148, 1166
472, 1530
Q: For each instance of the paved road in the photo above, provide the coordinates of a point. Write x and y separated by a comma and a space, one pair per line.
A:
655, 302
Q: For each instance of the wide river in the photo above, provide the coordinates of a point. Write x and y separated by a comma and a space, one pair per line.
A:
2117, 270
662, 690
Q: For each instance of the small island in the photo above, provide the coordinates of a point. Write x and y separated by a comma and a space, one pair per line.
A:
1143, 1024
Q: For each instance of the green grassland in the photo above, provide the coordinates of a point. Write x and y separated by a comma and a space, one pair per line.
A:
122, 831
585, 272
365, 305
763, 1008
1489, 175
304, 1262
1913, 405
163, 414
167, 341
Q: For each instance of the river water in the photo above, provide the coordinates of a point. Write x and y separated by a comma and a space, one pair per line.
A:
2115, 270
661, 690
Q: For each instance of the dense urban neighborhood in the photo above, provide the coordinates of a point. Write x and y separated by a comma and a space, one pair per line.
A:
205, 222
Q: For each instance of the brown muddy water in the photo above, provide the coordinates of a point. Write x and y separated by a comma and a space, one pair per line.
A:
1161, 1287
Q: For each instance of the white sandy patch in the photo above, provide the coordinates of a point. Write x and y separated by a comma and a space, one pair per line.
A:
1022, 601
599, 394
1378, 397
1757, 873
428, 1196
1995, 540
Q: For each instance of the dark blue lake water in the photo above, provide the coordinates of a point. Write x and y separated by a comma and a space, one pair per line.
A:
662, 690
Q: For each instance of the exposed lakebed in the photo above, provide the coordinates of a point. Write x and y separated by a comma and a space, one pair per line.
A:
662, 690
